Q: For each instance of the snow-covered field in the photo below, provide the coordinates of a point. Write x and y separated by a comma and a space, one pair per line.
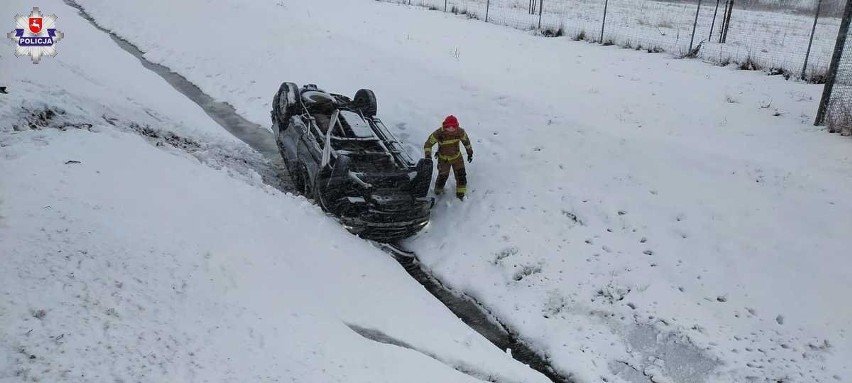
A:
628, 229
771, 39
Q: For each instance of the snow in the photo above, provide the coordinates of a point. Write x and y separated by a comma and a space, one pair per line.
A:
117, 271
133, 255
633, 216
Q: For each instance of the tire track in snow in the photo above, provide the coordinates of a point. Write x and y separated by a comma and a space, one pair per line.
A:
380, 337
471, 312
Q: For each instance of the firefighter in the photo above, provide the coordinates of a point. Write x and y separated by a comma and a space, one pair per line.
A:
449, 155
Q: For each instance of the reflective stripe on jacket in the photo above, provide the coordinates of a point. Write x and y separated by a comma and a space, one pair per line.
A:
448, 143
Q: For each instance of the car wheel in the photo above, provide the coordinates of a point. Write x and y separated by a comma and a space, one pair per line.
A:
285, 103
365, 101
423, 178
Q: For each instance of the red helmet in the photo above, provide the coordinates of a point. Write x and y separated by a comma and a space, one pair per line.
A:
451, 122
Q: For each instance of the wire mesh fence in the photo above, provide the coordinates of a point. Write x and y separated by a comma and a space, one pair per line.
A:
794, 41
791, 37
835, 109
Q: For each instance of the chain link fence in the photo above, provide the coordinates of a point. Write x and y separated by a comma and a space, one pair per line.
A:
794, 38
835, 108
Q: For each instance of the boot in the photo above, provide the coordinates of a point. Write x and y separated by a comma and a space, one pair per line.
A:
460, 196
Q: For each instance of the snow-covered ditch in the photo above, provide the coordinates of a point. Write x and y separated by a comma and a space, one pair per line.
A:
139, 243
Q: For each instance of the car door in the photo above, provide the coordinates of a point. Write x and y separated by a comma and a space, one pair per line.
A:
289, 139
310, 151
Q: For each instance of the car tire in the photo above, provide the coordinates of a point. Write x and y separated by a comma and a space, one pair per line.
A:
365, 101
285, 103
421, 182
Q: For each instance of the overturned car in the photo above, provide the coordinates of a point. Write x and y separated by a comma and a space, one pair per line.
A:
341, 155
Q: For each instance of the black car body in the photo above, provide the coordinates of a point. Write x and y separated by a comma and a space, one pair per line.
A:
341, 155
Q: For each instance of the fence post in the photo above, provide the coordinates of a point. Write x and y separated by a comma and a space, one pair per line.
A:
488, 6
811, 42
835, 63
724, 16
540, 9
694, 26
728, 23
445, 5
713, 24
603, 23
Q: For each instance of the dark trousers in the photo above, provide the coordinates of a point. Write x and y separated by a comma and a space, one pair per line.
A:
457, 165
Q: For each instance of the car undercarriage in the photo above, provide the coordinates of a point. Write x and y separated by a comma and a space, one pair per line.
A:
344, 157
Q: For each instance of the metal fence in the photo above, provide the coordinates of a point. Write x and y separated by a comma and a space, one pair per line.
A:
790, 37
835, 108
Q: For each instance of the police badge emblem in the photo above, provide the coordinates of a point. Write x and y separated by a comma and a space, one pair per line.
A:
35, 35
